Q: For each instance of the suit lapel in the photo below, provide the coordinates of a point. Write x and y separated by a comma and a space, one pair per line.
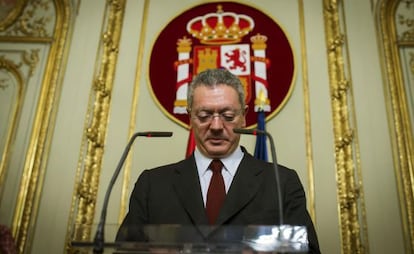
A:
187, 186
245, 184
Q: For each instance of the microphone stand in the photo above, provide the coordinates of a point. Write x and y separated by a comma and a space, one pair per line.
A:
275, 165
100, 231
284, 238
277, 177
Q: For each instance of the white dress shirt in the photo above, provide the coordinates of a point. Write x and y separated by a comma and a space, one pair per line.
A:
231, 163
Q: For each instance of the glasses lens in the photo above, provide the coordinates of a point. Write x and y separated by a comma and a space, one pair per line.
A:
205, 117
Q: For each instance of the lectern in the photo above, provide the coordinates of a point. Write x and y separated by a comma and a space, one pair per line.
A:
205, 239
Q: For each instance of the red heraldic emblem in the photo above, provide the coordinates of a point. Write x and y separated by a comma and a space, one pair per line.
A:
223, 35
234, 57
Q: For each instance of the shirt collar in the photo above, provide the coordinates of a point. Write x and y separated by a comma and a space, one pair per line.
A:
230, 163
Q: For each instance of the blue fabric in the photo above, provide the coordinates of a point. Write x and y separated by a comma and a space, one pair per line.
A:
260, 151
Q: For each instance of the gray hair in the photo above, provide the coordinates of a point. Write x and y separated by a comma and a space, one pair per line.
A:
213, 77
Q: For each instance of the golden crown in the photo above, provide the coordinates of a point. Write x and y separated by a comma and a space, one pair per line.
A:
258, 41
220, 27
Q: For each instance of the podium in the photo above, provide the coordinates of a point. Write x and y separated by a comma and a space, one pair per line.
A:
177, 239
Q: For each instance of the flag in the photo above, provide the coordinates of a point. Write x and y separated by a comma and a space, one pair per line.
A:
190, 144
260, 151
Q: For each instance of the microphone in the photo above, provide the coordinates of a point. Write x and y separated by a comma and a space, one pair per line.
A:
250, 131
274, 159
100, 231
284, 238
154, 134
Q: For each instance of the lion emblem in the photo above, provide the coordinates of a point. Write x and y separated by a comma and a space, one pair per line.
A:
237, 58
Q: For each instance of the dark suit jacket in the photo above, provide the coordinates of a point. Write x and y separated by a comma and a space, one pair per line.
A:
171, 194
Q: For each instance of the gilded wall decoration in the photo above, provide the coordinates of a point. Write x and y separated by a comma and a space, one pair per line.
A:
10, 11
11, 95
396, 29
93, 145
23, 23
352, 221
13, 79
306, 99
36, 20
404, 20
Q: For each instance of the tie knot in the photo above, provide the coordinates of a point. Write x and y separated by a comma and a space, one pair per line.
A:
216, 166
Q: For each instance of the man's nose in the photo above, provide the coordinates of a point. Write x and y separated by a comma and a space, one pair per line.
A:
216, 122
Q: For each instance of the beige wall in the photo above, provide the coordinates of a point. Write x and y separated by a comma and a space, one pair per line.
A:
384, 223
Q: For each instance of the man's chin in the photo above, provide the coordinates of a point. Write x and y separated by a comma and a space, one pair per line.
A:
217, 151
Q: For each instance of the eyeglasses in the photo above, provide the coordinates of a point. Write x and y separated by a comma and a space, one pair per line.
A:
206, 117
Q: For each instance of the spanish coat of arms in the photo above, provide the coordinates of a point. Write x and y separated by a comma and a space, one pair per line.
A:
227, 35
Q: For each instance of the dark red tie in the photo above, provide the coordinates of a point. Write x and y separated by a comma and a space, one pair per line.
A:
216, 192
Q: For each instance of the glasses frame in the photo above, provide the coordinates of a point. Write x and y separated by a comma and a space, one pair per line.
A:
210, 115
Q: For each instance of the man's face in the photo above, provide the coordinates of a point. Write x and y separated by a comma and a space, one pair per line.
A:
215, 112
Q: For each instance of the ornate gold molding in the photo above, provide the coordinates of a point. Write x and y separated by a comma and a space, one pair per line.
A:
93, 145
308, 131
31, 59
35, 22
391, 39
13, 9
24, 218
128, 164
349, 183
405, 21
12, 69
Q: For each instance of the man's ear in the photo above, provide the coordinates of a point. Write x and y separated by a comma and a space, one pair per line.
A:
246, 109
189, 118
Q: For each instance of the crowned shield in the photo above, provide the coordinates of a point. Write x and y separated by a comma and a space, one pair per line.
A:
233, 57
228, 35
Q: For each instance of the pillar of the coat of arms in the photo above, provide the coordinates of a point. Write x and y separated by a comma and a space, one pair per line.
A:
183, 74
262, 101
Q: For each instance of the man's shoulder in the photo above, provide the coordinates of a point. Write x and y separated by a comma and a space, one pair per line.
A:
171, 167
268, 165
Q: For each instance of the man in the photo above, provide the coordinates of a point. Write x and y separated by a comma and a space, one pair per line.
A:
7, 244
179, 193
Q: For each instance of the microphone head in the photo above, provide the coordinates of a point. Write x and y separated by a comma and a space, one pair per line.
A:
150, 134
249, 131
